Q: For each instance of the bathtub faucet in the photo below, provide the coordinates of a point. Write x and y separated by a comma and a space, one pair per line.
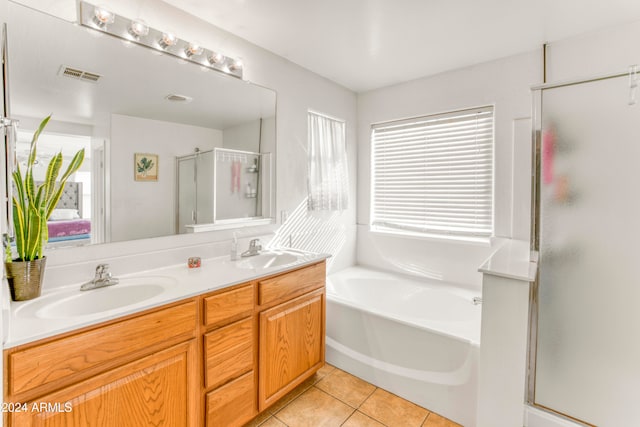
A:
254, 248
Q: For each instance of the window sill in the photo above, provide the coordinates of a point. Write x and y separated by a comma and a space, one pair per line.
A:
465, 240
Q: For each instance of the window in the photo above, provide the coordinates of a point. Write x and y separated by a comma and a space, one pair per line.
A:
433, 175
328, 178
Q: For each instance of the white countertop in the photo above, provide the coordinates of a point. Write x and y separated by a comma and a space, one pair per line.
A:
214, 274
512, 260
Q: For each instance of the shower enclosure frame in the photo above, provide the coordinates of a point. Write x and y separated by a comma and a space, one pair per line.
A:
177, 183
265, 161
536, 143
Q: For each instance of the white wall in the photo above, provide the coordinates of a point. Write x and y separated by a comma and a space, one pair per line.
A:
298, 90
610, 50
141, 209
243, 137
503, 83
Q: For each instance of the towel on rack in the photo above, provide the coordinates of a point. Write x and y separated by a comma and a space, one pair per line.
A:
235, 176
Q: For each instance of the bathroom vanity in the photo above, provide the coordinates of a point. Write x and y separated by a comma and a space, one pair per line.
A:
217, 358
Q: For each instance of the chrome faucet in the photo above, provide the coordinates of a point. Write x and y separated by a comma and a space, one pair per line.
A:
254, 248
102, 278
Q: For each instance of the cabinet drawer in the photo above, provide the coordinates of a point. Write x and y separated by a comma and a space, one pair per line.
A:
227, 305
228, 352
290, 285
232, 404
95, 350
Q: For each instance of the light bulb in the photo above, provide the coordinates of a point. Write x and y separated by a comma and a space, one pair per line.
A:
103, 16
168, 39
216, 58
192, 49
138, 28
235, 65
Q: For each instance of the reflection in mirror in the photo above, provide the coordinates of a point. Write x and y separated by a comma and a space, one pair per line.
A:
119, 100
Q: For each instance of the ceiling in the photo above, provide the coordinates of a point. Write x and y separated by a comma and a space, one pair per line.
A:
367, 44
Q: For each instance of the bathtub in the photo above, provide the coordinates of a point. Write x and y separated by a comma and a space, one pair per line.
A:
417, 339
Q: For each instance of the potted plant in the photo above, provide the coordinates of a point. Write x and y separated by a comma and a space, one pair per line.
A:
32, 207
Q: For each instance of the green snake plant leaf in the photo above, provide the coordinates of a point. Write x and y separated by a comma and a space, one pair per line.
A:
51, 176
19, 224
34, 141
19, 212
75, 164
34, 236
29, 185
17, 179
33, 206
44, 232
39, 200
29, 182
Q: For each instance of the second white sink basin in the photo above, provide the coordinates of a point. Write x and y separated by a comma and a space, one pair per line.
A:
267, 259
74, 303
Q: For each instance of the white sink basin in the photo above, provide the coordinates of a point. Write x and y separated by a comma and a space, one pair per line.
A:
75, 303
267, 259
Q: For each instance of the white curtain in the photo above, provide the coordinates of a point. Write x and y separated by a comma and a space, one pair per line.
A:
328, 178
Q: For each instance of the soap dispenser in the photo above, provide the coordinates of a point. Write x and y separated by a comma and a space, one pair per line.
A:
234, 247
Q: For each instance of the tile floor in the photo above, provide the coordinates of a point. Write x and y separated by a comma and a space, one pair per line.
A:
333, 397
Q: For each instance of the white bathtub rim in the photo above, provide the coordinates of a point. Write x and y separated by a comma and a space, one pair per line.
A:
465, 291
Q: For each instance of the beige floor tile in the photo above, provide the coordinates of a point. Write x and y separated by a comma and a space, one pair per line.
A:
315, 408
325, 370
392, 410
273, 422
358, 419
287, 398
346, 387
258, 420
435, 420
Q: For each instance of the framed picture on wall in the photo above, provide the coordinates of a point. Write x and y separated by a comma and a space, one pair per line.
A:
145, 167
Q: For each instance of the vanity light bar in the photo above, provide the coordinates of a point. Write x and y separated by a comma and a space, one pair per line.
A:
137, 31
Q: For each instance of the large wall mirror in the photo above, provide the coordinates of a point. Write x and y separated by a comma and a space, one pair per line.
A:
171, 147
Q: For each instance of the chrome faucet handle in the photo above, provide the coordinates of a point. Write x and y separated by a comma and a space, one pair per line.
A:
102, 271
254, 248
102, 278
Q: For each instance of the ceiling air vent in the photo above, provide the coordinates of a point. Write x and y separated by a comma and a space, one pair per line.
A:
78, 74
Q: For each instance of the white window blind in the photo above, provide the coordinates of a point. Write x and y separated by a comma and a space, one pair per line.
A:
434, 174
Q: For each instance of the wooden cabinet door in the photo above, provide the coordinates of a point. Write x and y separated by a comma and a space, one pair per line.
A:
291, 345
157, 390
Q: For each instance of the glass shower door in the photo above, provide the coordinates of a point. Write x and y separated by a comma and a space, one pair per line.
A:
588, 333
204, 188
187, 202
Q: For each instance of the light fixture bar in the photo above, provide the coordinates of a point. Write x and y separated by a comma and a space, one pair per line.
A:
136, 31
